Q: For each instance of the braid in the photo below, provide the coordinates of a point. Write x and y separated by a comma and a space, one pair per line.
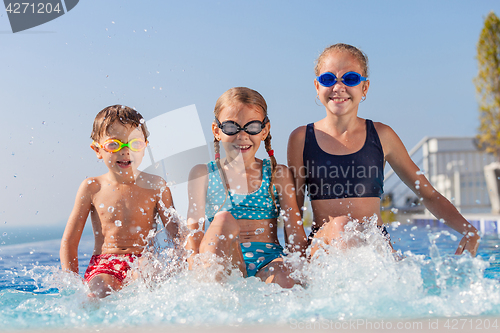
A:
267, 143
221, 172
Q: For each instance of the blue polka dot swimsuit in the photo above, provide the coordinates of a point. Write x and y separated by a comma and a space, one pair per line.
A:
257, 205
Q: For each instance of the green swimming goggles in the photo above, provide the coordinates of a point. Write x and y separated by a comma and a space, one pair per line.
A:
114, 145
350, 79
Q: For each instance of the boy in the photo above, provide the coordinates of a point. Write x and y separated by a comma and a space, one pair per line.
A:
122, 203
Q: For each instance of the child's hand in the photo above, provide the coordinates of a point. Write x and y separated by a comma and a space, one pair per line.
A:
469, 243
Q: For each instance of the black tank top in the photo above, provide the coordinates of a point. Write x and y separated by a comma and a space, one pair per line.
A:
360, 174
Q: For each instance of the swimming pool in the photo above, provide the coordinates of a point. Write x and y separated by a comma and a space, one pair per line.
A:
363, 283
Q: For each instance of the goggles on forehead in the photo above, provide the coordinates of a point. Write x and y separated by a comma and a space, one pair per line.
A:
350, 79
232, 128
114, 145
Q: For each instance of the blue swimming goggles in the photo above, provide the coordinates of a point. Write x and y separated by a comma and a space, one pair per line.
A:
350, 79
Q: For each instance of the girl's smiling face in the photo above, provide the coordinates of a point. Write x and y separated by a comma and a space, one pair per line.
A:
340, 99
125, 161
242, 142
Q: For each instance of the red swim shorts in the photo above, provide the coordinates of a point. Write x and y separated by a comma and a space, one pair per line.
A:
116, 265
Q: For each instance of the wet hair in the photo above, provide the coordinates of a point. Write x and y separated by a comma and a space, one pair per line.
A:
117, 113
244, 96
354, 51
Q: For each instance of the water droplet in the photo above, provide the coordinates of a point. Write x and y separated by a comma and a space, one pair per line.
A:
4, 234
20, 195
222, 237
43, 123
299, 222
31, 142
89, 182
259, 231
15, 175
414, 228
230, 236
101, 205
118, 223
111, 209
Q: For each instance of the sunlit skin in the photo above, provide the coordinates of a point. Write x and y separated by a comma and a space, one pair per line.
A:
244, 173
342, 132
122, 205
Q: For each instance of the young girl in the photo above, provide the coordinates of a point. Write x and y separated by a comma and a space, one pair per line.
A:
242, 195
340, 159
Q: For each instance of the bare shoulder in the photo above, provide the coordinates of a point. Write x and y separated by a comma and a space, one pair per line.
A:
298, 134
296, 146
384, 131
198, 171
92, 184
388, 137
151, 182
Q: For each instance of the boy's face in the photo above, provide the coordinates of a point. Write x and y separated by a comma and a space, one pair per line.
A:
125, 161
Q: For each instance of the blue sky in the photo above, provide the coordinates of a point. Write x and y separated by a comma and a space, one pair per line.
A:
159, 56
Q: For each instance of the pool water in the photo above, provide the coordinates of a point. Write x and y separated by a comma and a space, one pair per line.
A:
362, 282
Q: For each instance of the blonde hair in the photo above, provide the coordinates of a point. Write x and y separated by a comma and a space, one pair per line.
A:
244, 96
121, 113
354, 51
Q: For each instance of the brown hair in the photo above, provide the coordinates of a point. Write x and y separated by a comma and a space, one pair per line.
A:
245, 96
354, 51
121, 113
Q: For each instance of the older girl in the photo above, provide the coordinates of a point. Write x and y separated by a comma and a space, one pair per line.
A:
340, 158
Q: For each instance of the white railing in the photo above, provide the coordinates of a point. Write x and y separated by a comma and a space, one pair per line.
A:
454, 166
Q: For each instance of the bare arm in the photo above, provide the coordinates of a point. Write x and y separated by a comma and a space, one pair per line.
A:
438, 205
74, 228
296, 163
296, 238
197, 192
163, 207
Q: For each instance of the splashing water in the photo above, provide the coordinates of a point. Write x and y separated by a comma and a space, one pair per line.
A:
424, 279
